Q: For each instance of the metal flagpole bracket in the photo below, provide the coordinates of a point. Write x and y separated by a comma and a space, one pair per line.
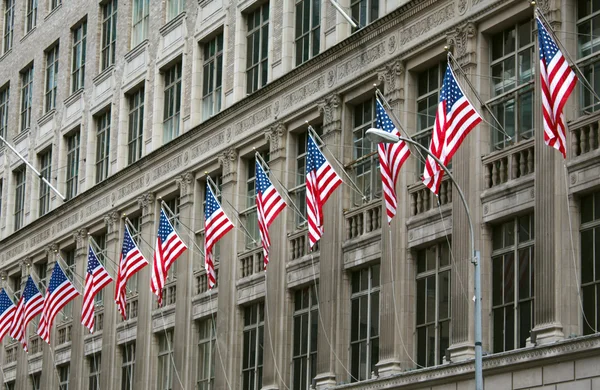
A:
343, 13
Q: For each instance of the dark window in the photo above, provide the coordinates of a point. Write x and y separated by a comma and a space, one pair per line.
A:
257, 48
207, 338
79, 52
172, 106
95, 369
72, 164
51, 78
588, 44
4, 94
306, 326
128, 366
136, 126
9, 24
45, 171
26, 97
365, 164
364, 11
212, 74
30, 15
19, 197
109, 33
102, 146
252, 358
308, 29
590, 262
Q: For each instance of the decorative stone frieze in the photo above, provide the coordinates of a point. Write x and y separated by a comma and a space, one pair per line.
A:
276, 135
145, 202
184, 182
331, 108
228, 162
392, 75
463, 43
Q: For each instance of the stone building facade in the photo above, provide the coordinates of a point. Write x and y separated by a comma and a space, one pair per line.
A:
125, 104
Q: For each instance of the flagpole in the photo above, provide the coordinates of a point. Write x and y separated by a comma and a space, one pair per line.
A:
237, 218
182, 224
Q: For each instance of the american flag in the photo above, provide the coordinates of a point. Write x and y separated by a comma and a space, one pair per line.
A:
96, 279
29, 306
216, 225
454, 119
168, 248
7, 313
391, 158
321, 181
130, 262
60, 292
558, 81
268, 205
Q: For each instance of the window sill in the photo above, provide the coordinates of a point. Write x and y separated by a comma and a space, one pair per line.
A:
53, 11
73, 97
171, 24
106, 73
46, 117
28, 33
22, 135
140, 47
5, 54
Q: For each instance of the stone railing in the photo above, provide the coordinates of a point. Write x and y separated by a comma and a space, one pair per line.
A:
169, 294
251, 262
35, 344
202, 281
363, 220
131, 307
299, 244
585, 136
509, 164
64, 334
10, 353
422, 199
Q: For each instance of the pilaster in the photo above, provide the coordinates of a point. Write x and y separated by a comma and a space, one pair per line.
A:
229, 331
78, 360
182, 334
144, 376
277, 299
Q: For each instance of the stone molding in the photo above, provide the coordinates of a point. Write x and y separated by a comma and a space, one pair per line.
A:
145, 202
392, 75
79, 237
185, 183
228, 162
331, 108
463, 41
110, 220
276, 136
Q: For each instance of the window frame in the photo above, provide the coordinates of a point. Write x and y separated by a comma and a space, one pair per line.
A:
20, 175
207, 339
135, 140
306, 309
252, 366
51, 85
307, 36
174, 9
128, 366
140, 21
103, 127
165, 360
72, 174
78, 53
257, 70
108, 43
64, 372
172, 94
31, 7
101, 255
212, 76
590, 207
372, 12
588, 62
4, 106
26, 97
9, 25
45, 172
95, 370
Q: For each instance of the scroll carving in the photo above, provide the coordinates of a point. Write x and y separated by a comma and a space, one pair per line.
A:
391, 75
145, 202
110, 220
228, 161
463, 42
184, 182
276, 136
331, 108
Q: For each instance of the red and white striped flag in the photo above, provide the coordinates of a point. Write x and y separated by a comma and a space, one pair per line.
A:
7, 313
557, 81
454, 119
321, 181
130, 262
29, 306
391, 158
268, 206
169, 247
216, 225
60, 292
96, 279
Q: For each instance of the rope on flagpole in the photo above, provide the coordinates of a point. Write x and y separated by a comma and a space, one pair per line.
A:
577, 284
270, 337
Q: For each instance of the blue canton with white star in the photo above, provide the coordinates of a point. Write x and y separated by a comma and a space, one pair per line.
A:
450, 90
58, 277
93, 262
314, 158
383, 120
548, 48
211, 203
128, 244
262, 181
5, 301
30, 290
164, 227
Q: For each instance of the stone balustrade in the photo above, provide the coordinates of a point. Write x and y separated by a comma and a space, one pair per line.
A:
422, 199
363, 220
251, 262
509, 164
585, 136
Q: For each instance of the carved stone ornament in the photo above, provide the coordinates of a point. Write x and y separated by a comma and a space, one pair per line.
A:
276, 135
462, 41
228, 161
110, 220
331, 108
79, 237
391, 75
51, 249
184, 182
145, 202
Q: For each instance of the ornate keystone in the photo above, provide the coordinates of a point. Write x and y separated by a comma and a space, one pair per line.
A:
145, 202
392, 75
110, 221
463, 42
228, 161
331, 108
79, 237
184, 182
276, 135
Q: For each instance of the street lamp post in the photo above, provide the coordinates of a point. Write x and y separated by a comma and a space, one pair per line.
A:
378, 135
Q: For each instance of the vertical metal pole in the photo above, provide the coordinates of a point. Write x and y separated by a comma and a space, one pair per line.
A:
478, 346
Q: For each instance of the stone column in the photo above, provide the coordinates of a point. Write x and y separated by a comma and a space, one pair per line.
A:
277, 299
110, 370
229, 332
49, 373
183, 331
332, 285
395, 309
467, 170
144, 377
78, 361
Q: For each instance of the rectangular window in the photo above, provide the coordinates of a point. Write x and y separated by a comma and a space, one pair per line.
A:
365, 164
308, 29
306, 326
10, 385
100, 241
257, 48
512, 70
41, 269
63, 376
364, 11
433, 303
172, 102
140, 21
590, 262
429, 85
51, 79
9, 25
136, 126
166, 369
95, 368
128, 366
249, 215
588, 43
512, 282
174, 8
45, 171
36, 381
79, 50
4, 94
206, 354
54, 4
69, 258
30, 15
212, 74
252, 360
109, 34
72, 164
1, 191
19, 175
299, 189
26, 97
364, 325
132, 283
102, 146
